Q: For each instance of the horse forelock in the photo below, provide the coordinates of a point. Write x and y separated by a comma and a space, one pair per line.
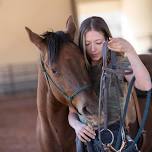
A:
55, 41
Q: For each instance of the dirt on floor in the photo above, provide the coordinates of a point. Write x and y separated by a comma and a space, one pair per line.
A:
18, 124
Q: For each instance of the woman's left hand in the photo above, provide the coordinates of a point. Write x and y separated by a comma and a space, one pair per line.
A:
119, 45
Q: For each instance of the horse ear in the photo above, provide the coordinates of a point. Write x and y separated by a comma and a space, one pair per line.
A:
35, 38
71, 27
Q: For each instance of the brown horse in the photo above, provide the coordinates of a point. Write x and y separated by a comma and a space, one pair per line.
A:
136, 110
62, 81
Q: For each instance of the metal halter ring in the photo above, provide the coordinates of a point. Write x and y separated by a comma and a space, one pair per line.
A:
108, 133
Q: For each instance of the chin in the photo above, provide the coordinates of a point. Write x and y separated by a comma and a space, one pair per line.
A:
96, 59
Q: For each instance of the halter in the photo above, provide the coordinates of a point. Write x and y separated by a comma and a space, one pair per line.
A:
67, 97
116, 70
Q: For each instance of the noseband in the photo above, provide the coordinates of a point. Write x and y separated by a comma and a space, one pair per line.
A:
67, 97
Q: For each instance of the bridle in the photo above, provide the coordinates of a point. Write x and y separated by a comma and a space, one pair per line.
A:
105, 83
116, 70
69, 98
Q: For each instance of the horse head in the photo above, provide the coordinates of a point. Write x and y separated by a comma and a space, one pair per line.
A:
64, 67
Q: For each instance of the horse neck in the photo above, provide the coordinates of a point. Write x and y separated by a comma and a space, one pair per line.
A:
42, 90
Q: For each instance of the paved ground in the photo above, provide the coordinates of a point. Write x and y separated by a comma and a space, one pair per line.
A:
17, 124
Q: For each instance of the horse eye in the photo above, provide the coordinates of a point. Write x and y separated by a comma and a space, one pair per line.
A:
54, 71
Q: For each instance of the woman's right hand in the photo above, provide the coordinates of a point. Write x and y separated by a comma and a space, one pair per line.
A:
84, 132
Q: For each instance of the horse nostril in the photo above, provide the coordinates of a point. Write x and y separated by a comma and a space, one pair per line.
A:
85, 110
90, 109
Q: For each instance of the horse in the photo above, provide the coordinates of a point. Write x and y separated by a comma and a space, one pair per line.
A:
63, 81
136, 110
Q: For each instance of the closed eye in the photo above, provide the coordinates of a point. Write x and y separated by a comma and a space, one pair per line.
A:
55, 72
87, 44
99, 43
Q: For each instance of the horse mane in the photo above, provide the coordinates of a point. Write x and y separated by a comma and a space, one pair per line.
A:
55, 41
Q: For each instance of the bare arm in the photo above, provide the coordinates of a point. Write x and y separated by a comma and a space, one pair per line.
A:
143, 81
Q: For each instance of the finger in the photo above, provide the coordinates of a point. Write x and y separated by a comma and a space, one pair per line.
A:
90, 126
90, 130
111, 40
85, 137
114, 46
89, 134
79, 136
114, 41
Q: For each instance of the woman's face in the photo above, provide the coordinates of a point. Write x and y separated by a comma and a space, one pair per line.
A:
93, 43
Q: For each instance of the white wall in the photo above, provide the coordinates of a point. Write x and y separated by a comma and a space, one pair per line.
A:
137, 23
39, 15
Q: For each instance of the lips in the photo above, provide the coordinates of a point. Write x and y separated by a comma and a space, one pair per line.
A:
94, 54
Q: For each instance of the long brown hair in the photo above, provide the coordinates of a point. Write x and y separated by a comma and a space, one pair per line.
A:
92, 23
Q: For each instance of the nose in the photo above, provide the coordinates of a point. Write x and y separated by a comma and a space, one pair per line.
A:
90, 109
86, 110
87, 103
93, 47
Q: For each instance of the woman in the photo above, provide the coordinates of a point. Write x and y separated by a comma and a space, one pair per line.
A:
93, 33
